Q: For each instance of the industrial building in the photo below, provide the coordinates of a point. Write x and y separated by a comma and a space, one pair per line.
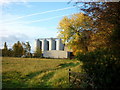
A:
52, 48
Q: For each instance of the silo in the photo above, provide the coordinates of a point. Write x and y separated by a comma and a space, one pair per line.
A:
44, 45
54, 45
37, 44
51, 44
59, 45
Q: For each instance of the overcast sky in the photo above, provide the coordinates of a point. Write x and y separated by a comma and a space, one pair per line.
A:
27, 21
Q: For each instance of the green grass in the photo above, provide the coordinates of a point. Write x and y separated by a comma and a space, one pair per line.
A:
37, 73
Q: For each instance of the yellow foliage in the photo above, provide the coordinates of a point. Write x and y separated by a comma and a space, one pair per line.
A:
73, 29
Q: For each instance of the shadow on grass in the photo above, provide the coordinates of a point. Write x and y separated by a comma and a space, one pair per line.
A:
68, 64
31, 75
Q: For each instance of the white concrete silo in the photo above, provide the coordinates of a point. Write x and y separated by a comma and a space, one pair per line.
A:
59, 45
37, 44
52, 44
44, 45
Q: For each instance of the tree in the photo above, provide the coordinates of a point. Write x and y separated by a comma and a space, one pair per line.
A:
103, 64
38, 53
5, 46
106, 23
24, 47
10, 53
18, 49
5, 50
75, 31
27, 48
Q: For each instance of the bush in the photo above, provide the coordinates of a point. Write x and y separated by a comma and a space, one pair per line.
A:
102, 67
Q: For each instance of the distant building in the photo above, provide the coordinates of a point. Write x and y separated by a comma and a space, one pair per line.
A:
52, 48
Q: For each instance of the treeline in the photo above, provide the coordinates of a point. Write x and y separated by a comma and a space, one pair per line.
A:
18, 49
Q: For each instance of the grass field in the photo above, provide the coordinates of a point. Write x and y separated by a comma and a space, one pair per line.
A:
37, 73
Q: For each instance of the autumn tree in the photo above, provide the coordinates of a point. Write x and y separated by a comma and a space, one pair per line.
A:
5, 46
106, 23
5, 50
10, 53
75, 31
38, 53
18, 49
27, 48
103, 64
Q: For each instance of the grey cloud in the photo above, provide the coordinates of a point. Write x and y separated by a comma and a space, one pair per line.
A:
11, 39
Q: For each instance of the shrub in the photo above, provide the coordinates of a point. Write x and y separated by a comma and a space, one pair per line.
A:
102, 67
